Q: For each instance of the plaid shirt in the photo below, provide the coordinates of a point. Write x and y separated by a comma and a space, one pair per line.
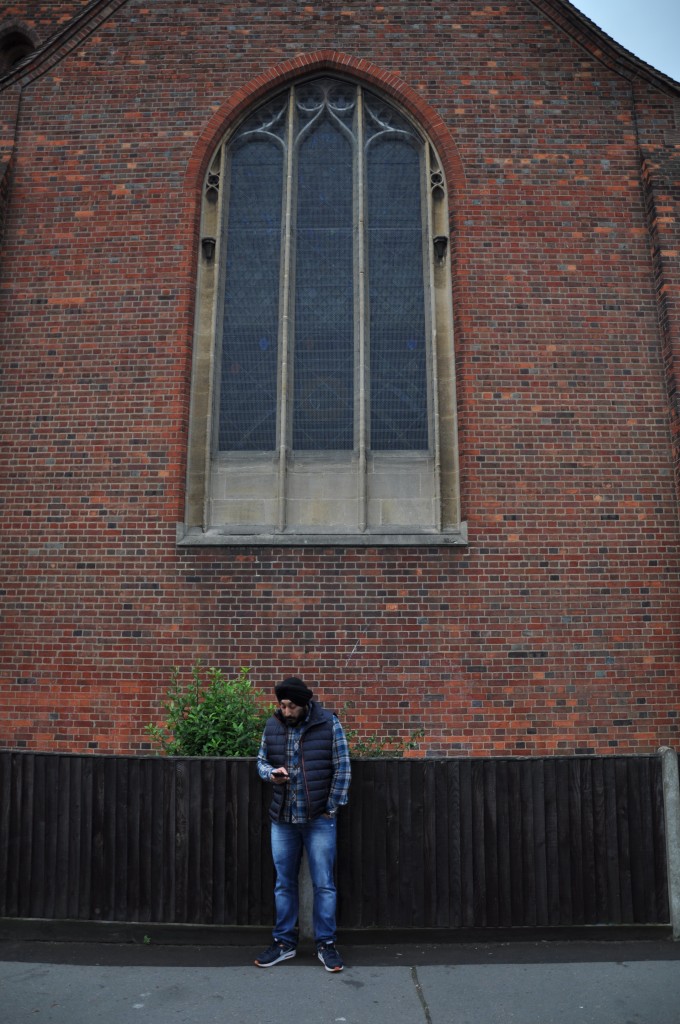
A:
295, 799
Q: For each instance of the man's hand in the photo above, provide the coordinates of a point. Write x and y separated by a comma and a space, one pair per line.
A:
279, 776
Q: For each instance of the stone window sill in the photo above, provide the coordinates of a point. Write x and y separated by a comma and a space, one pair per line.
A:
196, 537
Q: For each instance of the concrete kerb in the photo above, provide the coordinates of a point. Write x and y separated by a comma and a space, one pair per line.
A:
671, 801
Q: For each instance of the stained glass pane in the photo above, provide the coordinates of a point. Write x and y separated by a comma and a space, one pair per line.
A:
324, 228
248, 395
323, 414
398, 361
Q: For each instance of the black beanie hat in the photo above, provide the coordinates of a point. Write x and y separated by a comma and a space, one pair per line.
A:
293, 689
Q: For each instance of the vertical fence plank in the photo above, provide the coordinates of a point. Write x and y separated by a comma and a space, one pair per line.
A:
540, 843
6, 776
552, 842
478, 850
443, 877
59, 776
14, 839
612, 842
83, 882
140, 831
96, 853
410, 846
468, 847
354, 833
623, 837
180, 873
662, 901
489, 783
124, 908
600, 845
26, 814
230, 801
110, 818
453, 810
587, 860
168, 891
514, 909
195, 837
35, 897
646, 864
428, 911
503, 880
568, 829
220, 784
149, 839
528, 855
382, 850
393, 872
242, 798
635, 819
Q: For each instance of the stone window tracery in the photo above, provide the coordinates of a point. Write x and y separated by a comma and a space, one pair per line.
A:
323, 402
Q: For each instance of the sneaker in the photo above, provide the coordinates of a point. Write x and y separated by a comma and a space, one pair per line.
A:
277, 952
329, 956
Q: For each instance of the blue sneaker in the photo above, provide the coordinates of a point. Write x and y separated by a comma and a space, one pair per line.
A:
329, 957
277, 952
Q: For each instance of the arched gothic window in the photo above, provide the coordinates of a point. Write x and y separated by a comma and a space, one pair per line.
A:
323, 404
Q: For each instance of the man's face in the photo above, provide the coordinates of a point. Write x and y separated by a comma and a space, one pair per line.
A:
292, 713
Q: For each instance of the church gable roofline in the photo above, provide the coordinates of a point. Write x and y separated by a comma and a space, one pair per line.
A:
63, 42
561, 13
600, 45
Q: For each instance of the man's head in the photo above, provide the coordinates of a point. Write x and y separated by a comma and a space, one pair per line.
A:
293, 697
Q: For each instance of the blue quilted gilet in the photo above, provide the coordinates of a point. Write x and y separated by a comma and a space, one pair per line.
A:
316, 759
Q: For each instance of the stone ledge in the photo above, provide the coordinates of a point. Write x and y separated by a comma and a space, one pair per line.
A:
196, 537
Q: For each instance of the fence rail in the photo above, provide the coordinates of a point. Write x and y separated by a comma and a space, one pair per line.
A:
450, 844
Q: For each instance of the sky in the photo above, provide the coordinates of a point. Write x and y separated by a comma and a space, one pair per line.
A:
648, 28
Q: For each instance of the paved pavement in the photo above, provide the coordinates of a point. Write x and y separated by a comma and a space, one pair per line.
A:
555, 982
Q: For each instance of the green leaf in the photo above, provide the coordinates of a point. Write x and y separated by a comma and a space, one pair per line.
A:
221, 718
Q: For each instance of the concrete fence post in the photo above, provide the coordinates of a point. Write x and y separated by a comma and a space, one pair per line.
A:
671, 803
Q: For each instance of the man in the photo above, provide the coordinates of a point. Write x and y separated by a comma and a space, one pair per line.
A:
304, 755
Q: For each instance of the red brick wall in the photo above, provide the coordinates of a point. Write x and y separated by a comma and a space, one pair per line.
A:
556, 629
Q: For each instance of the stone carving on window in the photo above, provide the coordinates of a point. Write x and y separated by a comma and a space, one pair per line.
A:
323, 404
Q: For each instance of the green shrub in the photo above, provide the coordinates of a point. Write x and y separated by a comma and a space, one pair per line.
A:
224, 718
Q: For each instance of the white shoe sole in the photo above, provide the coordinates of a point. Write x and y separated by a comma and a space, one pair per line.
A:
284, 956
331, 970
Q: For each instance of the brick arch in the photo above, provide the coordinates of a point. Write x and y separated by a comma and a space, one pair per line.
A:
332, 62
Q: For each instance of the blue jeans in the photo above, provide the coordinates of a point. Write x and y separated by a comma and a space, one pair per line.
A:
318, 838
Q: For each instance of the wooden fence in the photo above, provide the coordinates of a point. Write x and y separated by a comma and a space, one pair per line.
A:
443, 844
